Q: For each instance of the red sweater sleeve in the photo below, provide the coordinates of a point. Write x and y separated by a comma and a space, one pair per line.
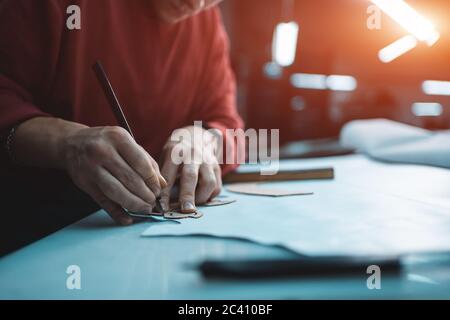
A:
216, 103
29, 45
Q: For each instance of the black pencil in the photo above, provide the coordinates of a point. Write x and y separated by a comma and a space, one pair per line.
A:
115, 106
111, 96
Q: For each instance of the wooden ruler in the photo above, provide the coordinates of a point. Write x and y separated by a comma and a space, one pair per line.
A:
285, 175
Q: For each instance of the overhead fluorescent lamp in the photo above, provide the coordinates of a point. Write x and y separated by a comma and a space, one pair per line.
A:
427, 109
341, 83
397, 48
408, 18
284, 46
309, 81
436, 88
323, 82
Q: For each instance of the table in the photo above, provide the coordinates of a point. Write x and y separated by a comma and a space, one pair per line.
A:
116, 263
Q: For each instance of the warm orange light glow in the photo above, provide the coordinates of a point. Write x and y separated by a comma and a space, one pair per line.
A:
409, 19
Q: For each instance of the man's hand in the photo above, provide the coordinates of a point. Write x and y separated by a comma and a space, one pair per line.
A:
104, 162
193, 160
114, 170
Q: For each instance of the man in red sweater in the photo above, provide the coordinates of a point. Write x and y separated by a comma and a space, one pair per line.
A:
168, 62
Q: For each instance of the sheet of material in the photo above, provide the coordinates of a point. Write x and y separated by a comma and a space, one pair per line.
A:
392, 141
260, 189
350, 215
252, 174
218, 202
170, 215
116, 263
175, 214
143, 215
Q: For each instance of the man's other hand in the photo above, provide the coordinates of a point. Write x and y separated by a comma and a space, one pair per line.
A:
193, 160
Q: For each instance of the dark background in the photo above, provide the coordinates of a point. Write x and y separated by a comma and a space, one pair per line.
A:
334, 39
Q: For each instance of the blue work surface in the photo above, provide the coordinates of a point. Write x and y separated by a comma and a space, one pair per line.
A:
117, 263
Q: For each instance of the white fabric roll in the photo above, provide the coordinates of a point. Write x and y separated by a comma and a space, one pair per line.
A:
397, 142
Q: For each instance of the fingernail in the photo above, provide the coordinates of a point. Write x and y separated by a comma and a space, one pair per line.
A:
164, 207
188, 207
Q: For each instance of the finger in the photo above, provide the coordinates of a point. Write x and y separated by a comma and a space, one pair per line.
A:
218, 188
206, 184
116, 192
162, 180
129, 178
138, 159
169, 171
188, 184
116, 212
155, 181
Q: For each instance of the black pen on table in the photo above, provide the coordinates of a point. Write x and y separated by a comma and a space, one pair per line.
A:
116, 108
304, 267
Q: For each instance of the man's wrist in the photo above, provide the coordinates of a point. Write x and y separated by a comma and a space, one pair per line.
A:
63, 146
40, 141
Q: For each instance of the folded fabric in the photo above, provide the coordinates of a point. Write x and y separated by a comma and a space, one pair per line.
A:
392, 141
